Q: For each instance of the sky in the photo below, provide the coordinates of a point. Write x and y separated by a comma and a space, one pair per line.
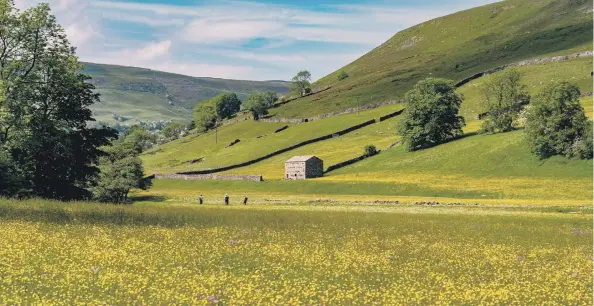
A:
250, 40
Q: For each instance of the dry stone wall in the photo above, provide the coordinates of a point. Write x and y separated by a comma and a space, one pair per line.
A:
526, 63
253, 161
331, 114
225, 177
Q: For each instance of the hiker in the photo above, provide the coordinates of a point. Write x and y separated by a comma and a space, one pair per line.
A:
226, 199
245, 199
200, 199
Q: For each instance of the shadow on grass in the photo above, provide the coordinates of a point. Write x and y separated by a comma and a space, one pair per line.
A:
148, 198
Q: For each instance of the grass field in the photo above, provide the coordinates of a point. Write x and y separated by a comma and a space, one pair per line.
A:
64, 254
175, 156
534, 77
455, 47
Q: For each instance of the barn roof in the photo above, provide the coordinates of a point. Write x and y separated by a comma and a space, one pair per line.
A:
300, 158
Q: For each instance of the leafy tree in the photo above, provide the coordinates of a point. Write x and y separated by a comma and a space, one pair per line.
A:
342, 75
10, 180
302, 82
227, 105
556, 122
370, 150
121, 170
504, 96
44, 111
431, 115
174, 130
140, 138
205, 117
256, 104
270, 97
583, 147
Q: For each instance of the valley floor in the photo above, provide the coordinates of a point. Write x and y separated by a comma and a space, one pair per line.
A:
178, 252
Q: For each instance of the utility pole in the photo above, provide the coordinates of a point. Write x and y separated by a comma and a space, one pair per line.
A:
358, 106
217, 132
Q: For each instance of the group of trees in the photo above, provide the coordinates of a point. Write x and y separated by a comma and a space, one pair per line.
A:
554, 121
208, 113
47, 147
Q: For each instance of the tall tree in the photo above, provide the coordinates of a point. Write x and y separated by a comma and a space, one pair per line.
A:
302, 82
270, 97
174, 130
504, 96
227, 105
556, 122
205, 117
44, 110
431, 115
256, 104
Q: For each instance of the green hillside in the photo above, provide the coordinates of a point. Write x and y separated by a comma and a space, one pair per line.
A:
455, 47
477, 167
146, 95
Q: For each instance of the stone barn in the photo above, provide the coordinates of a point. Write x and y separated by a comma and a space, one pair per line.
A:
303, 167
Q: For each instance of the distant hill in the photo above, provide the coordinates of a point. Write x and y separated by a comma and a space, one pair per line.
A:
455, 47
138, 94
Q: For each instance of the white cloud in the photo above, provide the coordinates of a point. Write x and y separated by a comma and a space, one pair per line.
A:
204, 31
164, 33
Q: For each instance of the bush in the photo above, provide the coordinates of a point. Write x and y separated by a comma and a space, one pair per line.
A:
342, 75
121, 170
431, 116
556, 123
370, 150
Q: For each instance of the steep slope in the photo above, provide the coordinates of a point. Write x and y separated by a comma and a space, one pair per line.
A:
455, 47
138, 94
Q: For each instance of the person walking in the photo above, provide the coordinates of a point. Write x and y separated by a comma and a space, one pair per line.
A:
226, 199
200, 199
245, 199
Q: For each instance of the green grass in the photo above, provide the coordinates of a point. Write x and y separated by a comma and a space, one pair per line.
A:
455, 46
535, 77
144, 95
174, 156
64, 254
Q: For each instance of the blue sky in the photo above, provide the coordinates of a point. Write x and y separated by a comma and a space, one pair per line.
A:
255, 40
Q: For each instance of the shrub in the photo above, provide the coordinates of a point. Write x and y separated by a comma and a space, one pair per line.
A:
342, 75
431, 116
370, 150
556, 123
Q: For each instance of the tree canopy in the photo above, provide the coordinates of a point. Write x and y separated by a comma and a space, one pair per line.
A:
44, 107
205, 117
270, 97
556, 123
504, 96
256, 104
431, 115
301, 82
227, 105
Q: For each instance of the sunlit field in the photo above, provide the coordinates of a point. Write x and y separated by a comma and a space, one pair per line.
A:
176, 253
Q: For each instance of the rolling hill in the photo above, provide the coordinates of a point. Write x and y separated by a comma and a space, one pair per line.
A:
137, 94
494, 168
455, 47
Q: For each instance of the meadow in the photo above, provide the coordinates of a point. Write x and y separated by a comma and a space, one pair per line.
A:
182, 253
